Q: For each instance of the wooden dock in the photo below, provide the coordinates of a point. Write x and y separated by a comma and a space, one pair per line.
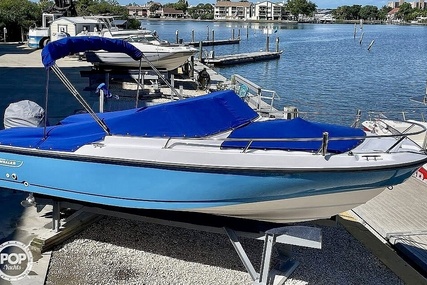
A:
398, 216
243, 58
215, 42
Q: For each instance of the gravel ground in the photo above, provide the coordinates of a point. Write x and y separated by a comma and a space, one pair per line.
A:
119, 251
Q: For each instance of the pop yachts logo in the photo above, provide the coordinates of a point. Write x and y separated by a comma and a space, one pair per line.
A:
16, 260
10, 162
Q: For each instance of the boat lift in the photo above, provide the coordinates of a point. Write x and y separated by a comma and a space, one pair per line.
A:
269, 273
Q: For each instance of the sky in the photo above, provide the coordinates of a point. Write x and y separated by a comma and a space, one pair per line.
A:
321, 4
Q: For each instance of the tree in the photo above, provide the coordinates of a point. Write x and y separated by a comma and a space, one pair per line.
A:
17, 16
347, 12
202, 11
369, 12
406, 12
383, 12
304, 7
100, 7
155, 7
133, 24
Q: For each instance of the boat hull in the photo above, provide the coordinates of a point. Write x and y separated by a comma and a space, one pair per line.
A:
275, 196
161, 57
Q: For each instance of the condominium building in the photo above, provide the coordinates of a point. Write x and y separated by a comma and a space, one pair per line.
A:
232, 10
267, 11
420, 4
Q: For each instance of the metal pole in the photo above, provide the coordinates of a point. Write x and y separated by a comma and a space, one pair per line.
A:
176, 36
268, 43
192, 66
232, 34
173, 85
277, 44
192, 36
101, 101
208, 33
247, 32
213, 36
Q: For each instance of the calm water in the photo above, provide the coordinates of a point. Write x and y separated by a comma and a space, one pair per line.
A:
324, 68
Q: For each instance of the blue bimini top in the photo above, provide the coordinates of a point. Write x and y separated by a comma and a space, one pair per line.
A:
193, 118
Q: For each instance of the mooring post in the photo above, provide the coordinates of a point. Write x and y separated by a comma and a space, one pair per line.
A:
207, 38
267, 48
192, 36
176, 36
277, 44
232, 34
200, 51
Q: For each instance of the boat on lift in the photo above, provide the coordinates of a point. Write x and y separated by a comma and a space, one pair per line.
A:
162, 54
208, 154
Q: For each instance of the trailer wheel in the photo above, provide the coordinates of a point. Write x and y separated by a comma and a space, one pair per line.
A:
45, 42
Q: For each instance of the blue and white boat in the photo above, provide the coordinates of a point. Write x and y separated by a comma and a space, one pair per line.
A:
209, 154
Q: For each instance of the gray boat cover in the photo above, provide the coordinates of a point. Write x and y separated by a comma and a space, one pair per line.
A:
24, 113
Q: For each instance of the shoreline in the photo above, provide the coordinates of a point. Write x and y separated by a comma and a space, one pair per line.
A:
285, 22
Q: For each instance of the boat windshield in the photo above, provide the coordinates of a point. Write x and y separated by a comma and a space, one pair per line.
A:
145, 38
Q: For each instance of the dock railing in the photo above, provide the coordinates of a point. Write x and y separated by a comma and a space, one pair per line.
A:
261, 100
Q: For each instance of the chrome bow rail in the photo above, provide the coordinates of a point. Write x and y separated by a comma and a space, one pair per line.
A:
325, 139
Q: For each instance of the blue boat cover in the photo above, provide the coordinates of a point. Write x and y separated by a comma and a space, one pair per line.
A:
196, 117
297, 128
71, 45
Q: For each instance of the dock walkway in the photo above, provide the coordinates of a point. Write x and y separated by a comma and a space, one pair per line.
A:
243, 58
215, 42
398, 216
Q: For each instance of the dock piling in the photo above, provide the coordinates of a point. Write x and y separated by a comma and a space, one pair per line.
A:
192, 36
371, 44
176, 36
277, 44
267, 48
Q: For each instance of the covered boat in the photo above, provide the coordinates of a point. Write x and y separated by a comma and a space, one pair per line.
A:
209, 154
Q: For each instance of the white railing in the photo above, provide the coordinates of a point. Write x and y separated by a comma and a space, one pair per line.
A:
261, 100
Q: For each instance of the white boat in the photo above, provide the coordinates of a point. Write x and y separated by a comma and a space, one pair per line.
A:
209, 154
57, 26
161, 54
38, 37
384, 126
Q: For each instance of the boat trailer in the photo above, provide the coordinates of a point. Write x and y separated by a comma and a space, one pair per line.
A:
269, 273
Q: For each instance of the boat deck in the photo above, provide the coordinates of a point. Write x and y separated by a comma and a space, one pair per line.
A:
398, 216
